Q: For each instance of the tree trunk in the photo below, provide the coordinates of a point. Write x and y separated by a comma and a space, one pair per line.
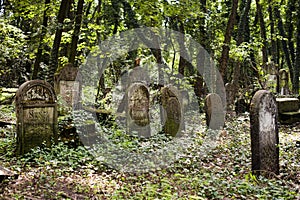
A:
297, 59
228, 33
75, 36
262, 33
284, 43
183, 53
39, 54
290, 28
55, 48
241, 35
273, 50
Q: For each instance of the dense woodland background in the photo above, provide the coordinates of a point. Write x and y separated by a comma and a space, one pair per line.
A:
244, 37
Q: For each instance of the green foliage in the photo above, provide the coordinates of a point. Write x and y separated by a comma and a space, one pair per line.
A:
61, 171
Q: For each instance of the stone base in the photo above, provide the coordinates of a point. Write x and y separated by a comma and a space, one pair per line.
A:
5, 173
289, 117
287, 104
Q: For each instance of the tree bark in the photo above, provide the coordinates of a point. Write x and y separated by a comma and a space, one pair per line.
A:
55, 48
75, 36
228, 33
297, 59
273, 50
262, 33
240, 39
36, 66
284, 43
290, 28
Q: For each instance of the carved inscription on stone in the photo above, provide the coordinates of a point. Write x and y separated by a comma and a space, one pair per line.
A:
37, 94
138, 118
36, 115
68, 86
69, 90
171, 102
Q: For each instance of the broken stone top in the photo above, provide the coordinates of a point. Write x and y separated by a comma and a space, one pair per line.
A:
68, 73
139, 74
35, 92
283, 74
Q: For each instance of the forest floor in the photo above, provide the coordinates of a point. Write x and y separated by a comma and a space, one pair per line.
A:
64, 172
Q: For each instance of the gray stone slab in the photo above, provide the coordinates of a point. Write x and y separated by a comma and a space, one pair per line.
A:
287, 104
264, 134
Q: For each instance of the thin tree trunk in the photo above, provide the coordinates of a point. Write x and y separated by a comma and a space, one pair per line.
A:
183, 53
55, 48
228, 33
262, 33
75, 36
240, 39
284, 43
274, 48
297, 59
36, 66
290, 28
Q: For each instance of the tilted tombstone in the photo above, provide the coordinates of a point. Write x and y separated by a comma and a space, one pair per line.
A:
214, 111
173, 115
68, 87
137, 112
36, 112
283, 82
264, 133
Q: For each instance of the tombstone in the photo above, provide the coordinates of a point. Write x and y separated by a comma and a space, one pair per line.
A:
172, 115
136, 75
67, 87
36, 111
137, 112
271, 80
214, 111
283, 82
264, 133
139, 74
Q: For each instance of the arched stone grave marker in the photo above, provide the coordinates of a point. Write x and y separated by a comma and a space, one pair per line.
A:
68, 87
214, 111
138, 118
36, 111
173, 116
283, 82
264, 133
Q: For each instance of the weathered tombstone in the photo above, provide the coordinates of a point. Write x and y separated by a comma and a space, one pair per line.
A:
36, 111
173, 115
139, 74
283, 82
136, 75
67, 87
138, 118
214, 111
272, 74
264, 133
